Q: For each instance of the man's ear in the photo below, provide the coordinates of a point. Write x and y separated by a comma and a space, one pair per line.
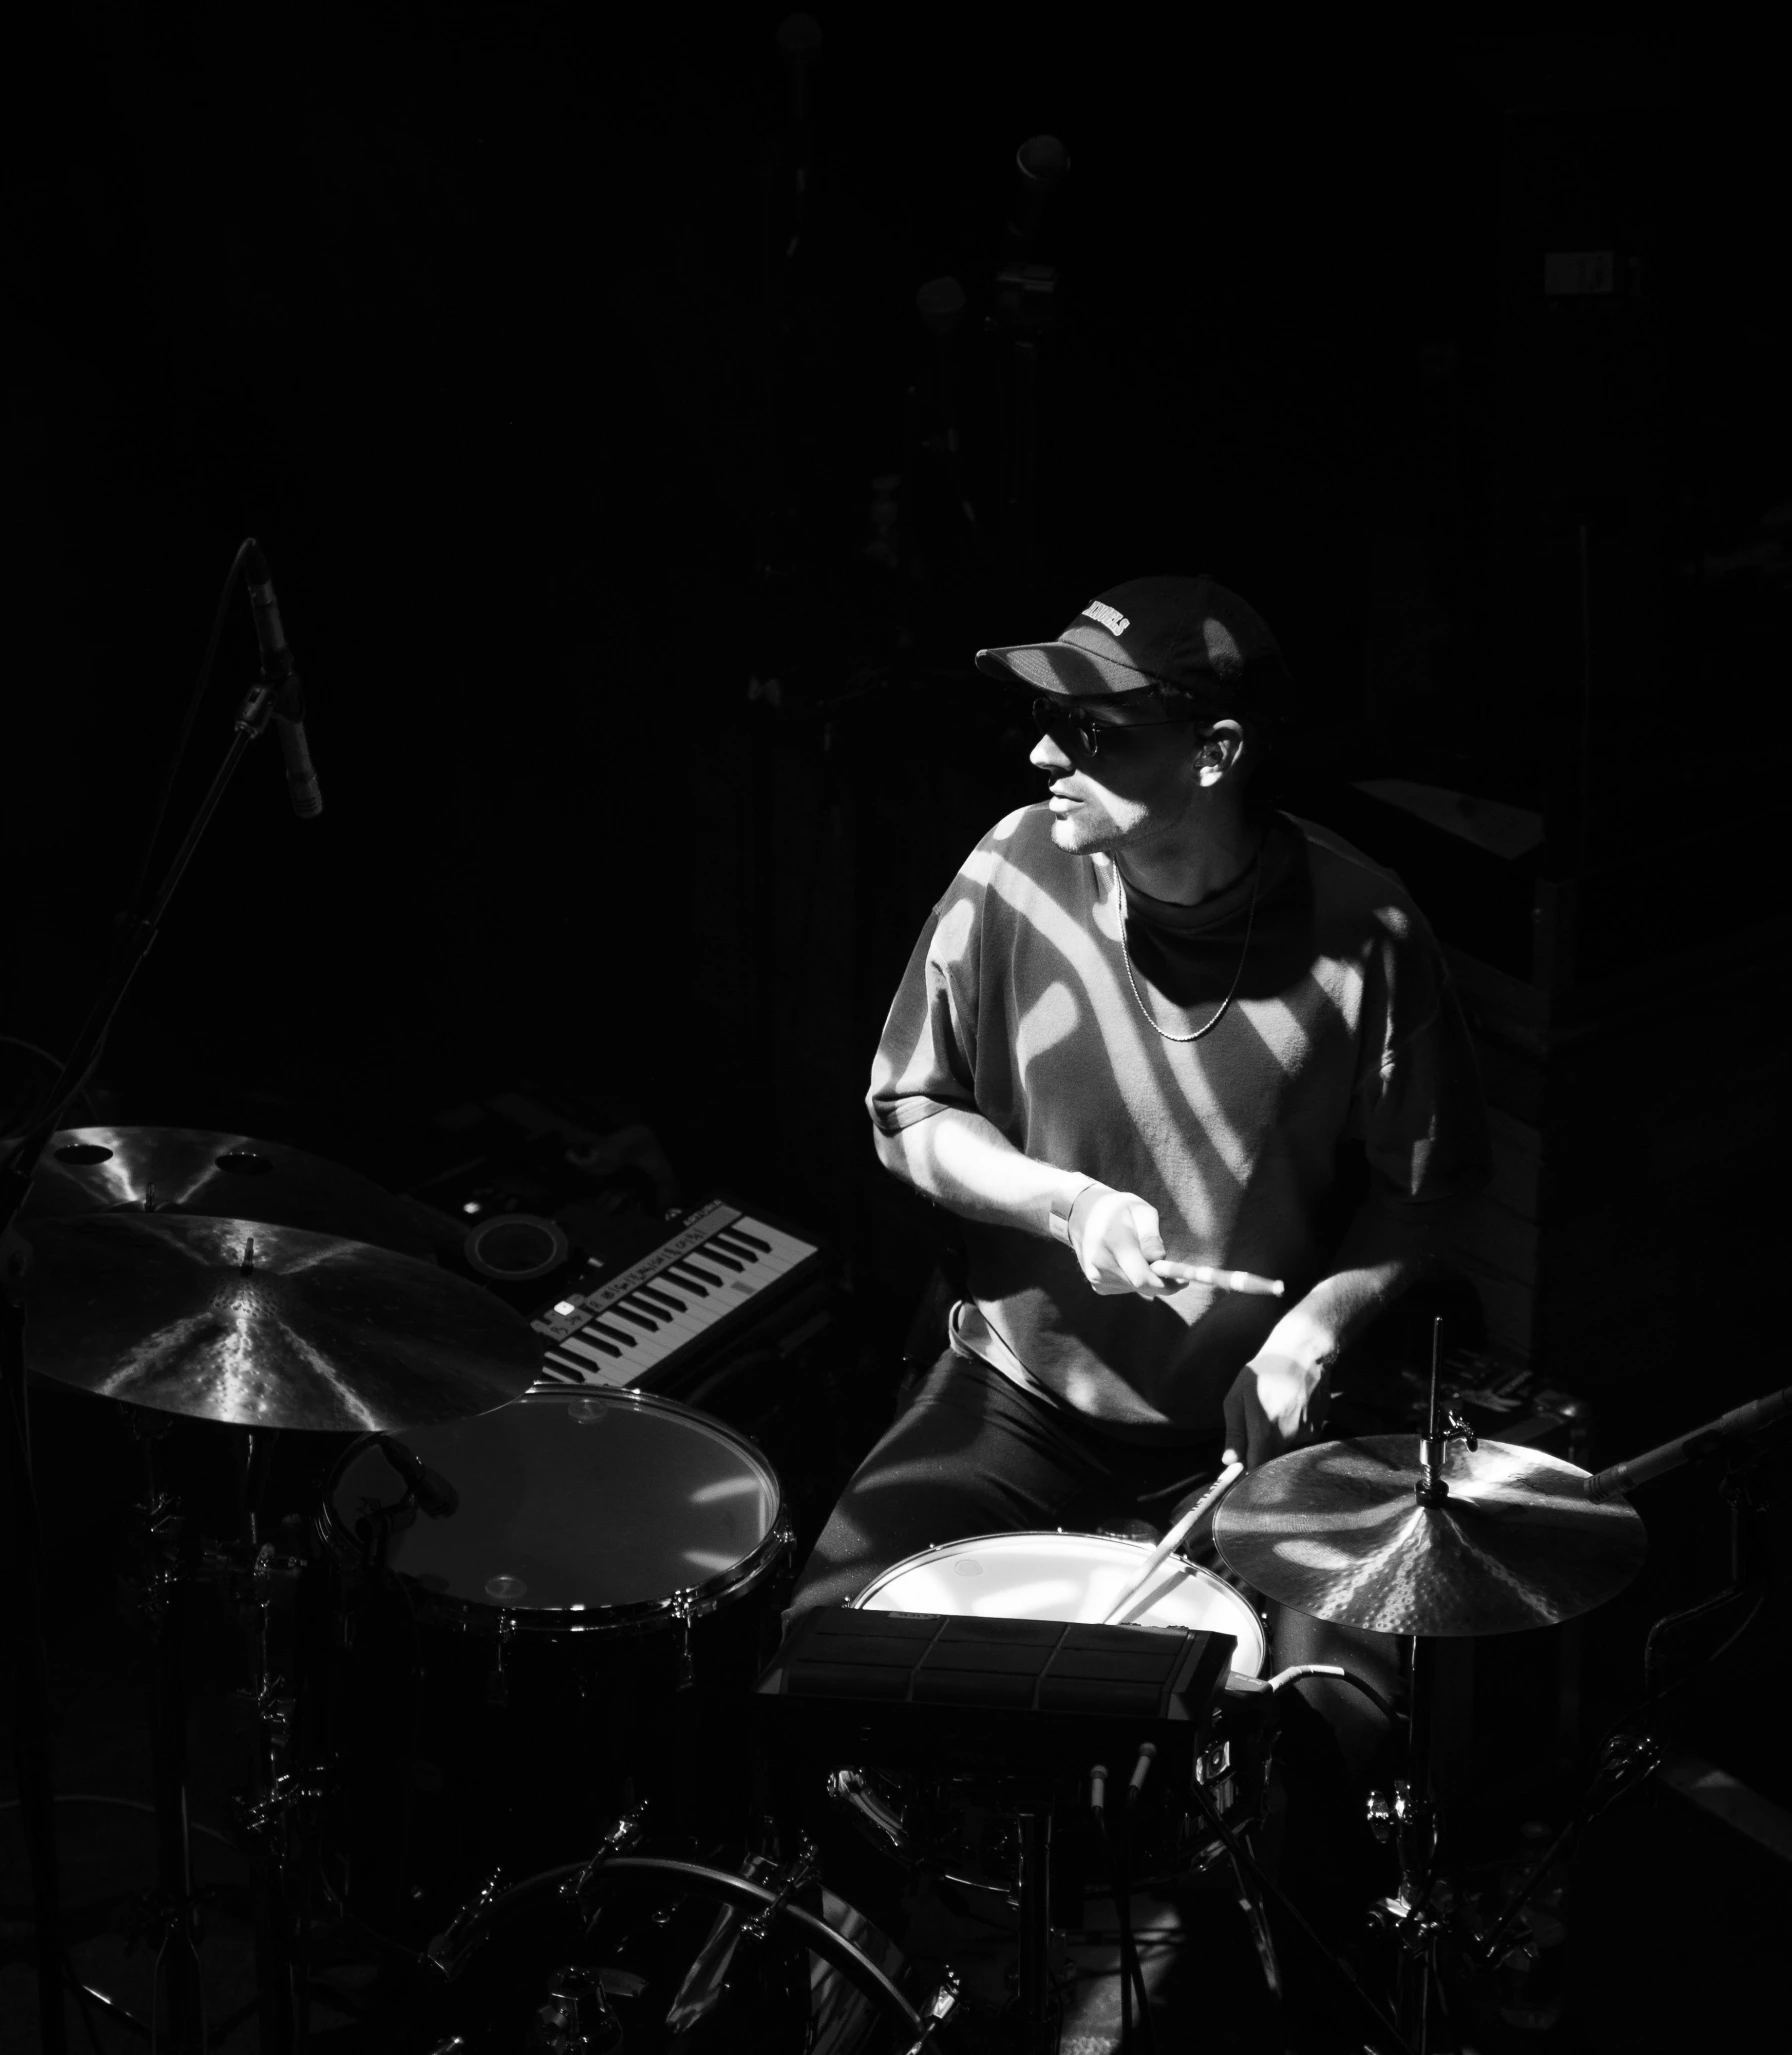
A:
1221, 748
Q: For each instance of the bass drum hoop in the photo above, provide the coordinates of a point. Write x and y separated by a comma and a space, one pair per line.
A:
860, 1601
493, 1620
846, 1956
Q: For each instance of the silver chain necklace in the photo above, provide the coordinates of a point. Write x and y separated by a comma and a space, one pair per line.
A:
1207, 1026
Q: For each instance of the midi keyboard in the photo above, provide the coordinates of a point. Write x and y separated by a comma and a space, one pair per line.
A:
721, 1278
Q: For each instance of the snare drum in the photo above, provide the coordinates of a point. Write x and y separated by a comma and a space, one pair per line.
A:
947, 1826
591, 1615
1063, 1576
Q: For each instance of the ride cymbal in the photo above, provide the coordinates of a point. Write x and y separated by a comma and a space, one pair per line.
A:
1336, 1531
188, 1171
259, 1326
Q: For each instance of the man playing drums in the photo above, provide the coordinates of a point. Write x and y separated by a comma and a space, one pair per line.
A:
1140, 1038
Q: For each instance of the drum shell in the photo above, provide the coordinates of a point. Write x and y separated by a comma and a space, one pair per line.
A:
467, 1734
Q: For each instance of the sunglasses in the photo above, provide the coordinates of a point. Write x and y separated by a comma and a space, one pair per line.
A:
1071, 728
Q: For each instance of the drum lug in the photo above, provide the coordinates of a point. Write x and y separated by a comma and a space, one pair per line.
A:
497, 1685
1213, 1772
784, 1885
617, 1839
683, 1606
938, 2009
851, 1791
442, 1953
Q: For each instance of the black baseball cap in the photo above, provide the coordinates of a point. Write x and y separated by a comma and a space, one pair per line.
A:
1158, 635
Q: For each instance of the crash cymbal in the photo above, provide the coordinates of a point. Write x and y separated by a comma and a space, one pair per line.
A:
194, 1171
1336, 1531
261, 1326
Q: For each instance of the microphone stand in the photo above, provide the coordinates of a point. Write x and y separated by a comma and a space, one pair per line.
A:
1632, 1753
32, 1738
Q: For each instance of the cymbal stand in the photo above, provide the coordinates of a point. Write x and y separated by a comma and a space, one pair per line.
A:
31, 1678
1038, 2007
178, 2024
1409, 1813
1633, 1752
275, 1814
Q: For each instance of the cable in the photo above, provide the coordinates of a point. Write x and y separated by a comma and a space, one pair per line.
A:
1338, 1675
133, 903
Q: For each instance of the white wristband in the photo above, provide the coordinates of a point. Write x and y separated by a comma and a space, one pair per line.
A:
1062, 1207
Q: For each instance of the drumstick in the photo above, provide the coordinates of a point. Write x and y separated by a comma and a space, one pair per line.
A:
1223, 1280
1211, 1497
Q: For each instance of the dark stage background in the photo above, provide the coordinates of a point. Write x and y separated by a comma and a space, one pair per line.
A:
481, 320
606, 489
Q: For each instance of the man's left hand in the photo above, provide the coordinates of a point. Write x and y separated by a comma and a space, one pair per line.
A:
1278, 1399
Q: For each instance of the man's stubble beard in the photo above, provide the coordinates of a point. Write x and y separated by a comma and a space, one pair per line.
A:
1102, 836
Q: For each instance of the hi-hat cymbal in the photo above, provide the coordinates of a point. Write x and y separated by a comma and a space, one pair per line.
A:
188, 1171
1335, 1531
260, 1326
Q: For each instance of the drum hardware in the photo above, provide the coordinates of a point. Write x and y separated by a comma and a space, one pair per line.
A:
851, 1791
611, 1559
702, 1988
617, 1839
771, 1900
1473, 1538
683, 1606
497, 1685
1066, 1583
784, 1884
22, 1310
1632, 1753
577, 2017
1038, 2002
428, 1493
448, 1950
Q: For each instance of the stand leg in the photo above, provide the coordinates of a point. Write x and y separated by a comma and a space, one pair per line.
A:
179, 2013
276, 1814
1417, 1843
1037, 2000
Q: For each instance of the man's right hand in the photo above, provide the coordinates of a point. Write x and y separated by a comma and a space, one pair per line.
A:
1115, 1239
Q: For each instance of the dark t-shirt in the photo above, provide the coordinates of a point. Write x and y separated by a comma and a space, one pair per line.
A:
1344, 1028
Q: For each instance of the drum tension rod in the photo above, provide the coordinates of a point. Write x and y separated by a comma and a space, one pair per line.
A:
796, 1875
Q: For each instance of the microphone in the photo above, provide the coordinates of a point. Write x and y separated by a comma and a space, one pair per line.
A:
278, 672
1622, 1477
1140, 1771
435, 1496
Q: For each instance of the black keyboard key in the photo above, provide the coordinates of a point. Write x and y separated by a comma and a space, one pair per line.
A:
735, 1247
740, 1234
591, 1341
711, 1254
660, 1299
637, 1316
592, 1328
686, 1275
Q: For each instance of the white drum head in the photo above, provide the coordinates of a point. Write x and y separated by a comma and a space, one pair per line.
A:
576, 1502
1067, 1577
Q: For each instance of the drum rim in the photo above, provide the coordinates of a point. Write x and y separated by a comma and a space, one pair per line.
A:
731, 1886
968, 1541
637, 1616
